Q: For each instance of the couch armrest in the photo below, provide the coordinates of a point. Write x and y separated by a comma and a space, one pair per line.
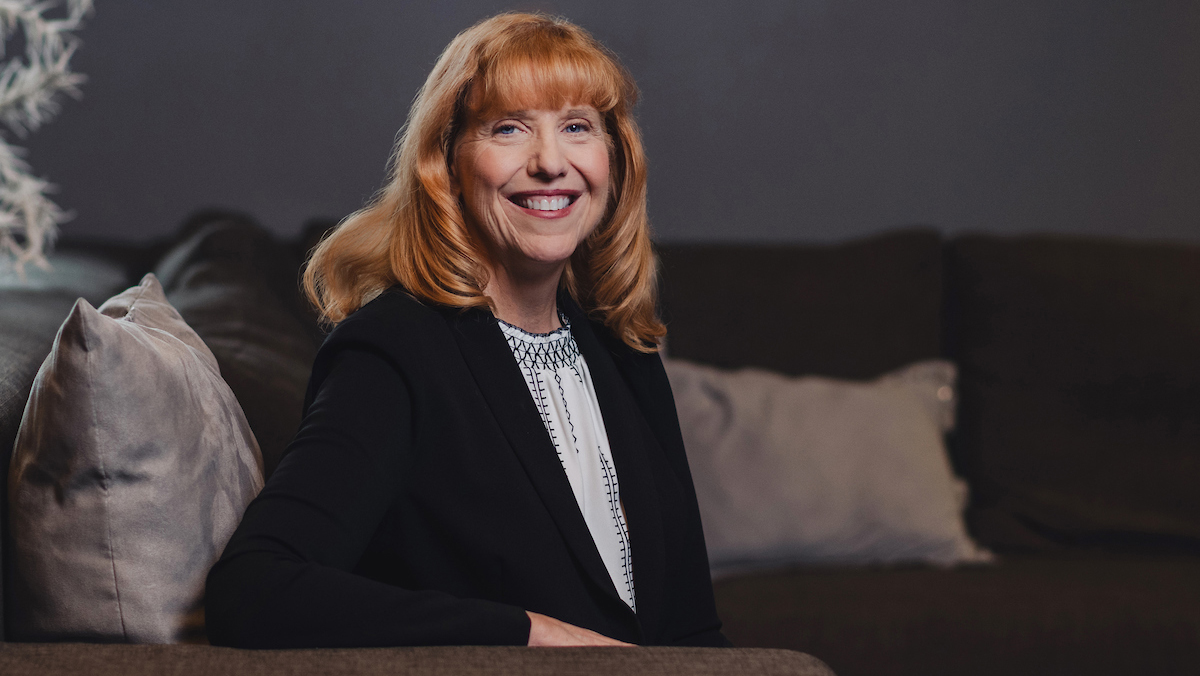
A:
43, 659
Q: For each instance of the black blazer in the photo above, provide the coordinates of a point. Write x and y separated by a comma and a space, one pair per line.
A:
422, 502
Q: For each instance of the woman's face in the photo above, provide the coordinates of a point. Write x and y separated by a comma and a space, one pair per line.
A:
535, 182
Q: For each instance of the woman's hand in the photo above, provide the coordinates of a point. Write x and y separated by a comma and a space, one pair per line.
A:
547, 631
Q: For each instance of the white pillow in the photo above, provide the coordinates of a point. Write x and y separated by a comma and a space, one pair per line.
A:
821, 470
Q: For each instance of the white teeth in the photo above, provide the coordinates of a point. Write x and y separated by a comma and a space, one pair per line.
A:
550, 204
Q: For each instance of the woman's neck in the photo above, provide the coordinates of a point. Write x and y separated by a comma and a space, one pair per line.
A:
527, 302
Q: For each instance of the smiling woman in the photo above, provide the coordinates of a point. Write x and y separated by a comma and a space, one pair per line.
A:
489, 451
416, 231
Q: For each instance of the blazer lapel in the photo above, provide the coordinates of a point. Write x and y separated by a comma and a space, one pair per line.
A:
631, 442
490, 361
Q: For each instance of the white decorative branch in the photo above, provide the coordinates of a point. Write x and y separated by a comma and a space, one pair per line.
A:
31, 86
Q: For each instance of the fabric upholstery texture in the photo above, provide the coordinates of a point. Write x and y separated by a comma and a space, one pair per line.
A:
854, 310
130, 471
185, 660
816, 469
1042, 615
238, 289
1080, 419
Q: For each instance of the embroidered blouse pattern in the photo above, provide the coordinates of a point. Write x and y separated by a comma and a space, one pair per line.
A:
558, 379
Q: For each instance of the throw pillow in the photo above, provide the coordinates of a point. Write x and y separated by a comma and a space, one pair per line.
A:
821, 470
238, 288
131, 469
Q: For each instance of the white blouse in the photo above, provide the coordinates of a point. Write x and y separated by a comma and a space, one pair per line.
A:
561, 386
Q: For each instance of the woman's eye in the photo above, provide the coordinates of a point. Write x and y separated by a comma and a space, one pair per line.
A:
506, 129
576, 128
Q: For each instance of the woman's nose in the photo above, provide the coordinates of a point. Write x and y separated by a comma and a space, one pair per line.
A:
547, 160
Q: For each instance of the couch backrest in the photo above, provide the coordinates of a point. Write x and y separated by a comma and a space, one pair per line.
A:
1079, 361
853, 310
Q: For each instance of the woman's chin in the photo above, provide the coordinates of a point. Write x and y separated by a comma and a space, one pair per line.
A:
544, 252
549, 259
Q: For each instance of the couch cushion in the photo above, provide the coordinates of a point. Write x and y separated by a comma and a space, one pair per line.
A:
852, 310
816, 469
1080, 384
131, 469
1031, 616
239, 289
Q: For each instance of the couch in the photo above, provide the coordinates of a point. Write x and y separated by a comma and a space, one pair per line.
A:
1078, 434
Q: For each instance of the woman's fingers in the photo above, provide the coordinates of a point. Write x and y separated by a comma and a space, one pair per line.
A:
547, 631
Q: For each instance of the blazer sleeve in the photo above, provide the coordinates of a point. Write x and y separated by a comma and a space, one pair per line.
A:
285, 579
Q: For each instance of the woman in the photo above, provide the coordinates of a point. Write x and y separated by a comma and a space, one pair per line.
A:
490, 453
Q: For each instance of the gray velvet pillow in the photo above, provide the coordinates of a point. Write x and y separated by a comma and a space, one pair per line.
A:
131, 469
821, 470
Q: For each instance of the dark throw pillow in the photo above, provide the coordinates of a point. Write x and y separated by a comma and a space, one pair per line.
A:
239, 289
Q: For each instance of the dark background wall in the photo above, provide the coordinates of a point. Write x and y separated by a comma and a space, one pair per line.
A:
763, 119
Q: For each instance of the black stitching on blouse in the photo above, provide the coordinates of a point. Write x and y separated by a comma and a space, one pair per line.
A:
614, 505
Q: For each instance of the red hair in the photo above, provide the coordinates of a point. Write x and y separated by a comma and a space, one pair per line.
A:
413, 232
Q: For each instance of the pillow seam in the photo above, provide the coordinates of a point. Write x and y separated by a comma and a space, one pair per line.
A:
142, 289
104, 476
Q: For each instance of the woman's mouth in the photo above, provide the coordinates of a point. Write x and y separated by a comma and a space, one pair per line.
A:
551, 204
544, 205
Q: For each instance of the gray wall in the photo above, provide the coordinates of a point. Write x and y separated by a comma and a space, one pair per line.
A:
764, 119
